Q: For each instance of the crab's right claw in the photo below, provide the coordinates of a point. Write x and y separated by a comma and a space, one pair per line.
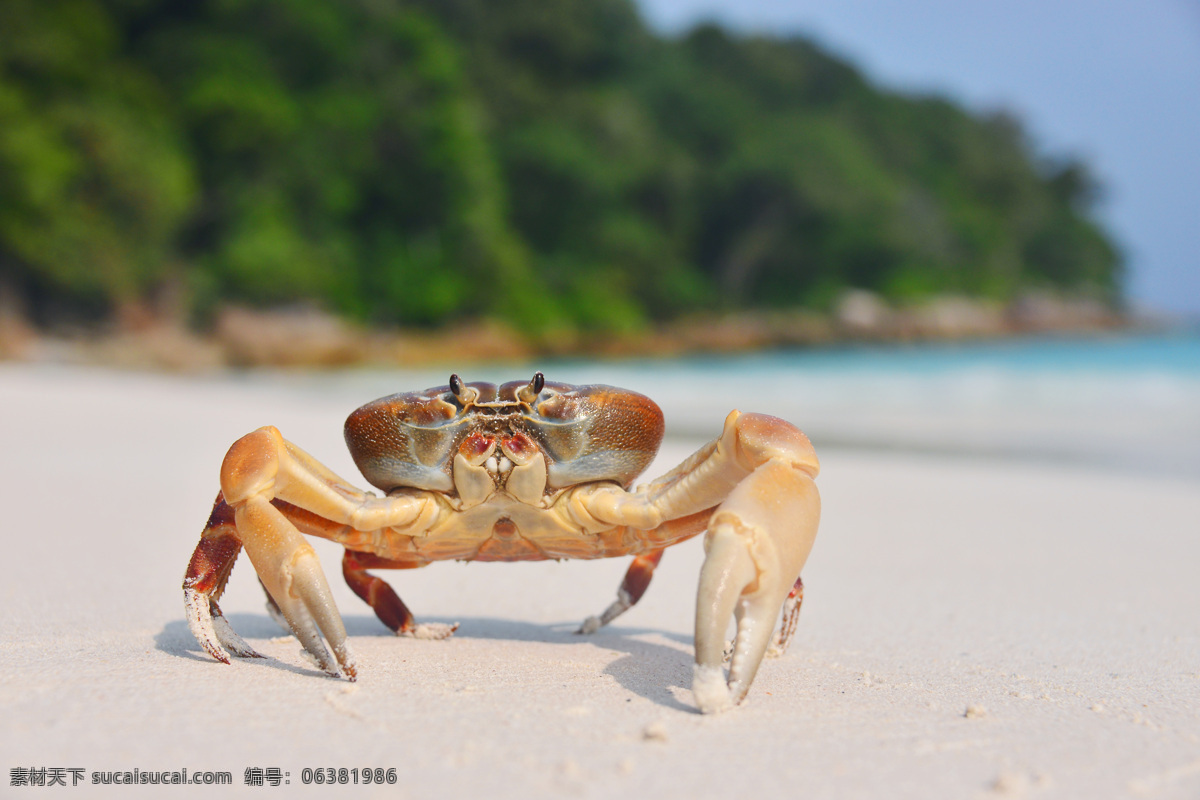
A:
285, 562
758, 541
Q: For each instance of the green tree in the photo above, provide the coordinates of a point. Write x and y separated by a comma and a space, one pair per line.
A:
95, 177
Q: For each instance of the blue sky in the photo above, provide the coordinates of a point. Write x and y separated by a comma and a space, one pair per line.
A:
1112, 81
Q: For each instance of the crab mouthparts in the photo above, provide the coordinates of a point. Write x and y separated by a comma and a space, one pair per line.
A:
498, 454
498, 468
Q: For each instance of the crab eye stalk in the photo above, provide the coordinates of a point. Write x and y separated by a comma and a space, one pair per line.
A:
463, 393
530, 392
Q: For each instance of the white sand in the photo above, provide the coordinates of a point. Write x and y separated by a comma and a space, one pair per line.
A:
971, 628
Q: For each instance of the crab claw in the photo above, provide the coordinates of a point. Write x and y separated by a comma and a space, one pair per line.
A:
286, 564
212, 630
297, 586
205, 580
758, 541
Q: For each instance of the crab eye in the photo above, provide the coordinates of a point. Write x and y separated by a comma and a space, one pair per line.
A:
465, 395
530, 392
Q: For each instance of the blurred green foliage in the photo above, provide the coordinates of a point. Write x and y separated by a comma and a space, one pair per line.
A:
548, 162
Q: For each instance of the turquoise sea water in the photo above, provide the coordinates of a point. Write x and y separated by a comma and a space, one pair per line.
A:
1177, 354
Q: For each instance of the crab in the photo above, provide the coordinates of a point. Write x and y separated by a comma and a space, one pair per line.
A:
520, 472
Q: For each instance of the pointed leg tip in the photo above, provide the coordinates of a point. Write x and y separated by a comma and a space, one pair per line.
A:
248, 652
590, 626
218, 655
346, 665
321, 661
230, 641
429, 630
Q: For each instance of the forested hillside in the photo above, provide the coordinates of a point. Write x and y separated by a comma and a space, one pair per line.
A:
546, 162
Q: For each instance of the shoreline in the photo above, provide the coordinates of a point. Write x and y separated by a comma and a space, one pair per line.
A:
306, 337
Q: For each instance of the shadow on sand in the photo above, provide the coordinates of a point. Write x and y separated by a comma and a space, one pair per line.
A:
648, 669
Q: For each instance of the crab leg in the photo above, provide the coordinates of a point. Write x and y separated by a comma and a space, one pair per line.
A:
388, 606
791, 616
636, 581
204, 582
377, 594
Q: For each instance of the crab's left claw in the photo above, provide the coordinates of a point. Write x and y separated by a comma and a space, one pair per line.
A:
758, 541
207, 574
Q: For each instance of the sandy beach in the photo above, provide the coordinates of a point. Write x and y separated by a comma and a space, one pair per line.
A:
972, 628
